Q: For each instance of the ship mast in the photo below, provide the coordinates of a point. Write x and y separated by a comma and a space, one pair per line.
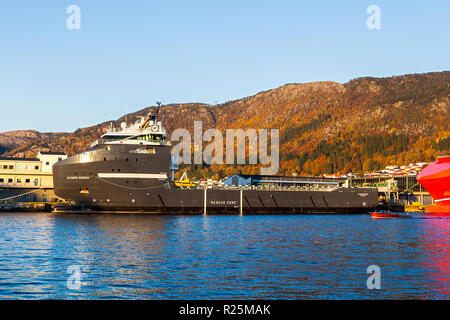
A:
155, 113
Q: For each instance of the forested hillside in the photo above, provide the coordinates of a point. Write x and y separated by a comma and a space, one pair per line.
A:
325, 127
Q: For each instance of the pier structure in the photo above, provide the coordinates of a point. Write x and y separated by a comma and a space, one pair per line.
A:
402, 190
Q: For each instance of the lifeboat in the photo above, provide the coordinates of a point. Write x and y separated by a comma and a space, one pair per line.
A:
184, 182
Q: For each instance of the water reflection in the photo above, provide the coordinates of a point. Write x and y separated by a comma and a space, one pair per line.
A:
436, 242
222, 257
25, 244
122, 254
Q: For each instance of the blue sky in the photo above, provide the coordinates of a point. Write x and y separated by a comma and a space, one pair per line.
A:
129, 54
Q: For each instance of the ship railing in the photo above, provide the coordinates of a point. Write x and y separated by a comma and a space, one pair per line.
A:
274, 188
137, 142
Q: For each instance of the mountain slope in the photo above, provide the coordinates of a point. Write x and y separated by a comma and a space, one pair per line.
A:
13, 139
325, 127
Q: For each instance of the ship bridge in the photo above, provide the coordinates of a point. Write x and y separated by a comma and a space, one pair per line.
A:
145, 131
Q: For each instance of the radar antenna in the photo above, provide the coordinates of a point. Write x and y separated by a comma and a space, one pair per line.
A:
153, 114
157, 109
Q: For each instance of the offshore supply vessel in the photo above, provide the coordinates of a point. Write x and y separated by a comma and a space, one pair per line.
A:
128, 170
436, 180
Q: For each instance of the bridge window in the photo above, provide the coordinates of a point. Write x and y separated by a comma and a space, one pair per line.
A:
149, 137
116, 137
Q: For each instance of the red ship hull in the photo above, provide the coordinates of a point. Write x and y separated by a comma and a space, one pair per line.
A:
436, 180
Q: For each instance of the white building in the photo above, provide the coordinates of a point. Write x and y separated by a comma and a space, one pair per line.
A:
48, 159
28, 179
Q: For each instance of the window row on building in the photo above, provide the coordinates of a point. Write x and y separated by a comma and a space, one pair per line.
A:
19, 167
19, 181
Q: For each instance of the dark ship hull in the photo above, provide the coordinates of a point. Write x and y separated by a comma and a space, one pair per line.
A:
135, 179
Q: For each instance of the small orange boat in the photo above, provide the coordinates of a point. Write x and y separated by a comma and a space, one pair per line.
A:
388, 214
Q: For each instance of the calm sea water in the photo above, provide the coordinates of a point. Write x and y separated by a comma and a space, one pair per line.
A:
127, 256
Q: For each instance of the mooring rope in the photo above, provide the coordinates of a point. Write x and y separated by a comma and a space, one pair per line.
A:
20, 195
131, 188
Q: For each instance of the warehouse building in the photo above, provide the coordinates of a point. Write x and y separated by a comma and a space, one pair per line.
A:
281, 181
28, 179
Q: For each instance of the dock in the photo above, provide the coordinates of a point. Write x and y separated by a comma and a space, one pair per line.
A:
400, 191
